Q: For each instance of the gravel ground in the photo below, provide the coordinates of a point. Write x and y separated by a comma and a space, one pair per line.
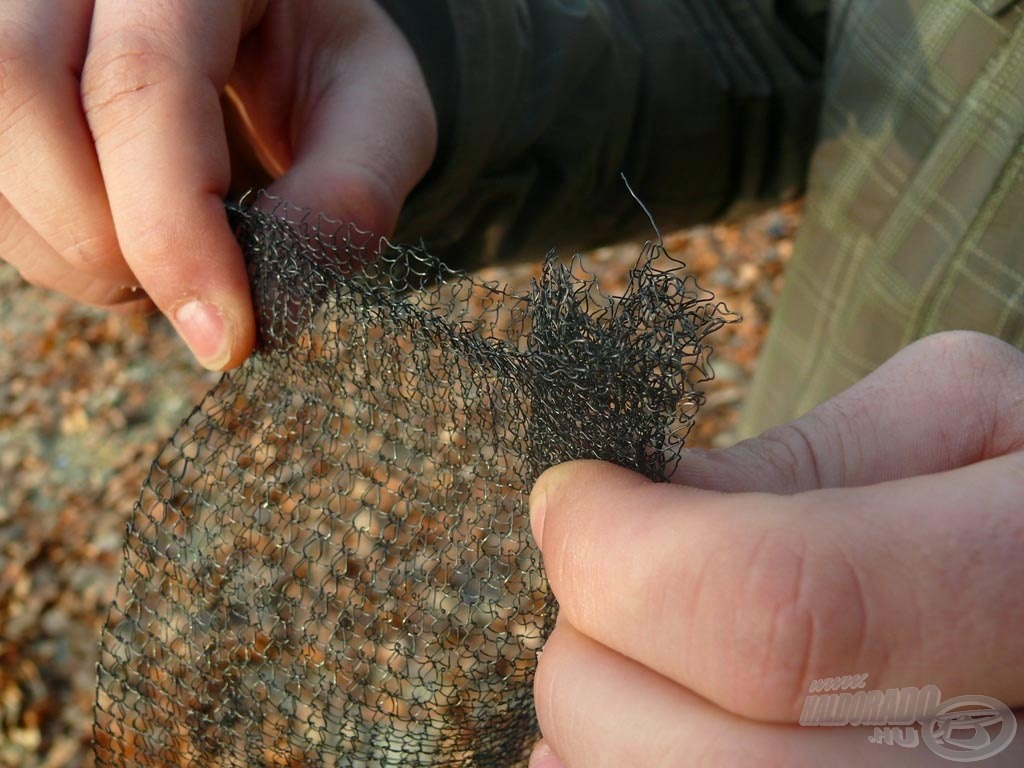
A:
87, 398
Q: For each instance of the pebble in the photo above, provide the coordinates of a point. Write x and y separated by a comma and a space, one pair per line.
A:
86, 401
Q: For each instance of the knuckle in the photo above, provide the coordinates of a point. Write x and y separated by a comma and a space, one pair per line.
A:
89, 291
92, 254
806, 617
151, 255
17, 59
119, 68
775, 629
977, 368
549, 689
791, 453
370, 203
958, 341
152, 244
19, 79
966, 351
37, 278
422, 129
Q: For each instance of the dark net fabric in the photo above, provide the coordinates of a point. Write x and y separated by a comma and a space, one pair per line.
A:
330, 563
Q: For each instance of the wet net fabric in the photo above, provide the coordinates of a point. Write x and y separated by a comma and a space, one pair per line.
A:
330, 563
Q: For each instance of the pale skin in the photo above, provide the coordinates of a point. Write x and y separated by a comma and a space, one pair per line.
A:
114, 155
882, 533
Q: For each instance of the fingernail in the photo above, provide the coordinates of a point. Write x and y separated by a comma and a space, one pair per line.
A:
205, 330
538, 502
543, 757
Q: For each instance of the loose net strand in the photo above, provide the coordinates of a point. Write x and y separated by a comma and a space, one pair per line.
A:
330, 563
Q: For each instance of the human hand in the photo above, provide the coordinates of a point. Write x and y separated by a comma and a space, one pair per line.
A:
114, 158
882, 533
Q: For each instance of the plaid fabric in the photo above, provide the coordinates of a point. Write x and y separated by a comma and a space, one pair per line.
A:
915, 214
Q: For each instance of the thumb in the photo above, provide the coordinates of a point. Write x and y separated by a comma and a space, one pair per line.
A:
943, 402
369, 136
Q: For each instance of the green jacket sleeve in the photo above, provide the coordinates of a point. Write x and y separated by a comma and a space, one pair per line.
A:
708, 106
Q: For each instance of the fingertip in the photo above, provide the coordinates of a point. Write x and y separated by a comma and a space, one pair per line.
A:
242, 325
563, 486
538, 508
241, 332
189, 263
549, 481
571, 471
219, 339
369, 140
349, 195
207, 331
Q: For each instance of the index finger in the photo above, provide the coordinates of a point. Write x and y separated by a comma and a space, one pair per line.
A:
151, 91
945, 401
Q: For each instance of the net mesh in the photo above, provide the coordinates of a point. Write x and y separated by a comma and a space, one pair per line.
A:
330, 563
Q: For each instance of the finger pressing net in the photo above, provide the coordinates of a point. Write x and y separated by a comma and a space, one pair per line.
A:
331, 563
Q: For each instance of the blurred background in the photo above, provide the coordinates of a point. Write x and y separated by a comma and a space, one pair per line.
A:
88, 398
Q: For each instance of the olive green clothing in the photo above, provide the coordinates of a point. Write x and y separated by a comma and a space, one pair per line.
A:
915, 211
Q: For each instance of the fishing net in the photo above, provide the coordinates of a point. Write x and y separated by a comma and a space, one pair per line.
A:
330, 563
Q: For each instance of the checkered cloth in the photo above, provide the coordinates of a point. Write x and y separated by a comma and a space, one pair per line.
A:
915, 215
